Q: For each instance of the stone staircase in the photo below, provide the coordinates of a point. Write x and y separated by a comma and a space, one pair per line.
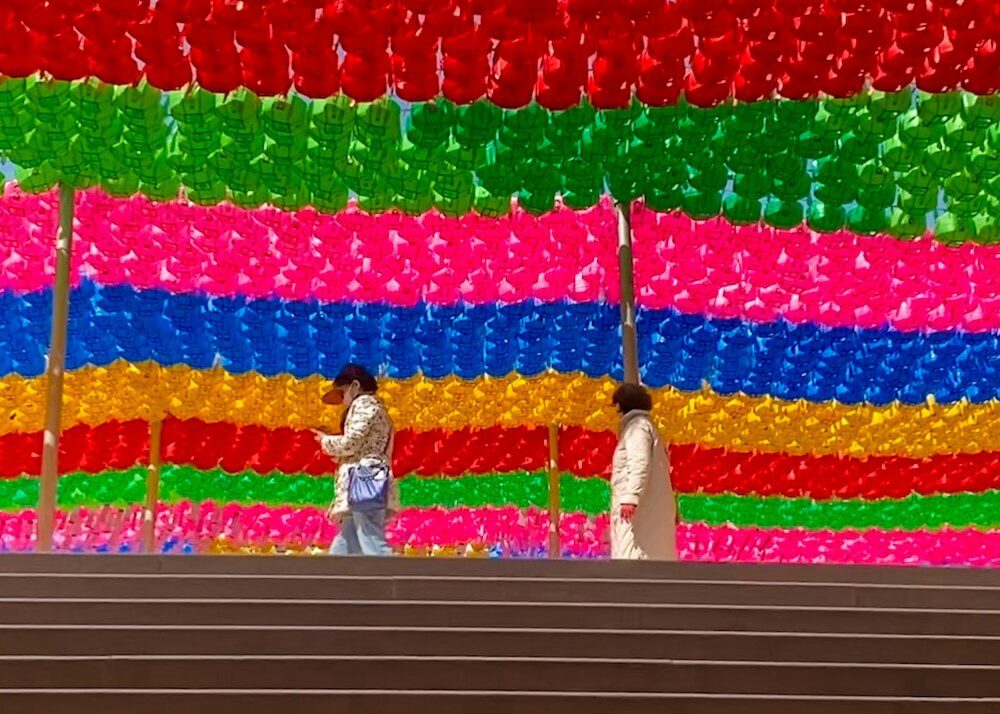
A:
186, 635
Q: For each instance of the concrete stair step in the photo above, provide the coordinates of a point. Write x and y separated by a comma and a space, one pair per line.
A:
750, 618
506, 674
513, 642
451, 588
158, 701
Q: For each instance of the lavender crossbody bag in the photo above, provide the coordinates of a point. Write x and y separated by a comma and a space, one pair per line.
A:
368, 483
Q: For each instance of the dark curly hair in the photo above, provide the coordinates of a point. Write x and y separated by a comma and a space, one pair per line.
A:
632, 396
357, 373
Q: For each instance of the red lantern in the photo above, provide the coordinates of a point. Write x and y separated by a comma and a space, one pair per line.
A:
466, 66
414, 64
365, 78
62, 56
265, 69
193, 11
19, 56
315, 65
616, 70
896, 70
564, 73
214, 56
982, 77
515, 72
755, 81
158, 46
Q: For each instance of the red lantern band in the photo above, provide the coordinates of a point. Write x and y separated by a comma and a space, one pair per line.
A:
120, 445
512, 53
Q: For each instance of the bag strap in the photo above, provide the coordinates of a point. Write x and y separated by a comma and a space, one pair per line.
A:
391, 442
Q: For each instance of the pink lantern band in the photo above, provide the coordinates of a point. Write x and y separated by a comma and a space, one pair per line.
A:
712, 267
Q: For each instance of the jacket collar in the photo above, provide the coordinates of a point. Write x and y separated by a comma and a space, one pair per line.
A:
360, 398
629, 416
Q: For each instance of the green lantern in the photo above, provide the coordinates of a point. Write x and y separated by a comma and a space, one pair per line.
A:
906, 224
378, 122
166, 189
986, 228
861, 219
478, 123
743, 158
899, 156
332, 120
826, 218
938, 108
876, 186
783, 214
657, 124
701, 206
952, 229
491, 205
430, 123
894, 103
754, 185
124, 185
965, 188
943, 164
961, 138
454, 192
918, 134
664, 199
583, 182
37, 179
740, 210
712, 178
981, 111
839, 181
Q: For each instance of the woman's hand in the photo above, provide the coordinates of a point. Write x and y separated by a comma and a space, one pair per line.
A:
627, 512
319, 436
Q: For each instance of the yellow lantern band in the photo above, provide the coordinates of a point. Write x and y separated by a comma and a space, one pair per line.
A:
125, 391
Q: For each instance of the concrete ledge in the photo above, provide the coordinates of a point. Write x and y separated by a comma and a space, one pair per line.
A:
609, 570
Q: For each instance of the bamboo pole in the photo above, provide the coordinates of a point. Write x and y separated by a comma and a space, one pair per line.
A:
55, 371
152, 487
555, 505
626, 280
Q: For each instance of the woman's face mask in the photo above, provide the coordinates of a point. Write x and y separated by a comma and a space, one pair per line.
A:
351, 392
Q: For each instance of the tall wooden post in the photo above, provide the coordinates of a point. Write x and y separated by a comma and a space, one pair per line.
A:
626, 280
555, 505
152, 487
55, 371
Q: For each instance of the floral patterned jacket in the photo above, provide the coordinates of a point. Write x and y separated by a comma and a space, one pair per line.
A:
367, 438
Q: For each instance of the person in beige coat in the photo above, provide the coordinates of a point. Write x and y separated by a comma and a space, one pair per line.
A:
643, 509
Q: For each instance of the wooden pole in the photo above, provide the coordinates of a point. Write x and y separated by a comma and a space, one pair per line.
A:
55, 371
152, 487
555, 505
626, 280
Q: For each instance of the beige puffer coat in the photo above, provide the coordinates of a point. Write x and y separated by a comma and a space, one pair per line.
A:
640, 475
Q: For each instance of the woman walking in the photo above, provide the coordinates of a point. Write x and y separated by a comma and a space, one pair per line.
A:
366, 493
643, 510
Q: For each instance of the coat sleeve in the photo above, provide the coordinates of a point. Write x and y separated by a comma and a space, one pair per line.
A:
360, 421
638, 443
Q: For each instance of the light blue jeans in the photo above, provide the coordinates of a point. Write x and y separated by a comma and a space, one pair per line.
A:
362, 534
